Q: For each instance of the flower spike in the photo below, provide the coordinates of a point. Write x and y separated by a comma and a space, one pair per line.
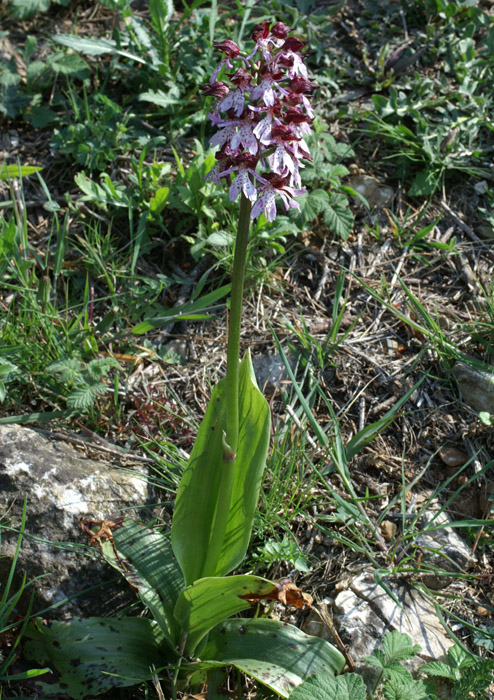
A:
262, 115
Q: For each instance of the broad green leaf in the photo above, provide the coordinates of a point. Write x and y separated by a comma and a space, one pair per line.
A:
94, 191
338, 216
209, 601
426, 182
86, 45
311, 205
26, 8
401, 688
197, 497
7, 172
275, 653
158, 202
439, 668
159, 98
398, 646
146, 560
347, 687
90, 656
69, 64
97, 47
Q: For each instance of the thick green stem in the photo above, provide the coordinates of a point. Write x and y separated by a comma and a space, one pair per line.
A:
232, 382
233, 353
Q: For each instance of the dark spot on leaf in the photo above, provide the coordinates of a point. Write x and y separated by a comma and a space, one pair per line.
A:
212, 427
100, 648
64, 685
56, 644
223, 630
102, 624
75, 662
119, 648
274, 635
242, 630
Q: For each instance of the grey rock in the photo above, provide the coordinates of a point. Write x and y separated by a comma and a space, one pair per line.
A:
442, 548
365, 612
271, 373
61, 487
476, 386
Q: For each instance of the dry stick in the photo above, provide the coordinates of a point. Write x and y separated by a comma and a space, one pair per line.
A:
326, 619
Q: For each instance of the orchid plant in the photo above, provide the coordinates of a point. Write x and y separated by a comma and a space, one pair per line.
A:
262, 114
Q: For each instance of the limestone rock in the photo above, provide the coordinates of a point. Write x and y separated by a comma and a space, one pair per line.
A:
443, 548
365, 612
61, 486
476, 386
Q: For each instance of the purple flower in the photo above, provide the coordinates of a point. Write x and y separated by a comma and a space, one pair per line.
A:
245, 166
266, 204
236, 98
262, 115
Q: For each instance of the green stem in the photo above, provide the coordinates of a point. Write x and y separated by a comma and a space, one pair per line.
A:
233, 352
232, 382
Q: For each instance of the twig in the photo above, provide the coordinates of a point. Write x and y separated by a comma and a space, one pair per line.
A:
104, 446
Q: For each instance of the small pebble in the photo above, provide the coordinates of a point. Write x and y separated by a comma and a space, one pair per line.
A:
453, 457
388, 530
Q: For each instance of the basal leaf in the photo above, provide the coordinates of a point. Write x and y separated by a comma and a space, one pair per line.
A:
209, 601
275, 653
198, 493
146, 560
90, 656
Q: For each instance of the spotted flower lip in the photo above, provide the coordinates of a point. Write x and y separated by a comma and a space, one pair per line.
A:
262, 116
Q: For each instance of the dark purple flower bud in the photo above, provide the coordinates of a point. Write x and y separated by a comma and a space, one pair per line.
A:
246, 159
267, 71
276, 180
293, 44
300, 85
280, 30
218, 89
296, 116
293, 99
260, 31
284, 133
229, 47
241, 77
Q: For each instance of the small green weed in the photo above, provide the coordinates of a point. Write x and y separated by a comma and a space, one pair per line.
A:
470, 677
83, 381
